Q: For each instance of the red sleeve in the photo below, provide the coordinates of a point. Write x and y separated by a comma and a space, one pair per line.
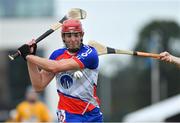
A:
79, 62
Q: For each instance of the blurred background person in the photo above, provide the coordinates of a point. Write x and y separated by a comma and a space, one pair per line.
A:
166, 56
32, 109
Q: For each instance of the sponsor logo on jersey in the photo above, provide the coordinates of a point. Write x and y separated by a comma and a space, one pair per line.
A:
85, 54
66, 80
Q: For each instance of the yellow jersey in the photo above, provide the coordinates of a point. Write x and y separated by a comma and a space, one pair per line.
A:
32, 112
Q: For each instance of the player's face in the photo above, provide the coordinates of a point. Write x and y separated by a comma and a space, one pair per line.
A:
72, 40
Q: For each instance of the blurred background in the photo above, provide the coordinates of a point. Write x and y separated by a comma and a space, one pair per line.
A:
130, 88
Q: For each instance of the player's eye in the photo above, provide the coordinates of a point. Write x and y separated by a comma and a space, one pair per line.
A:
76, 35
68, 35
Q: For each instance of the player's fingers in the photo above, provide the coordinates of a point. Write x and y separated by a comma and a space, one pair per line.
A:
163, 54
170, 59
167, 59
163, 57
31, 42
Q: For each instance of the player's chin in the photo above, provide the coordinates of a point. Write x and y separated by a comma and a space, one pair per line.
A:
76, 46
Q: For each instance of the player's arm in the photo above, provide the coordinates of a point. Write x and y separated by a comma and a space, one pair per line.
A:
166, 56
39, 78
52, 65
176, 60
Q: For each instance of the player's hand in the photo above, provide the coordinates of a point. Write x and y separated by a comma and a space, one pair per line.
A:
165, 56
24, 50
33, 46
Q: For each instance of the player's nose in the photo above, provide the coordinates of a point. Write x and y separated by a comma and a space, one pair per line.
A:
73, 38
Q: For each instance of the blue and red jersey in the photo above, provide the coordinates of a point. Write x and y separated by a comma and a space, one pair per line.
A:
78, 96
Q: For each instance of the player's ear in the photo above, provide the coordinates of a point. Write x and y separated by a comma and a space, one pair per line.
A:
62, 36
63, 40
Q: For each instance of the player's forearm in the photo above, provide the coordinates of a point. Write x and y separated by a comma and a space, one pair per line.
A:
176, 60
39, 78
46, 64
35, 76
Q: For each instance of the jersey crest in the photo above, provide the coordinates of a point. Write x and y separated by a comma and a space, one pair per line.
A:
65, 79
